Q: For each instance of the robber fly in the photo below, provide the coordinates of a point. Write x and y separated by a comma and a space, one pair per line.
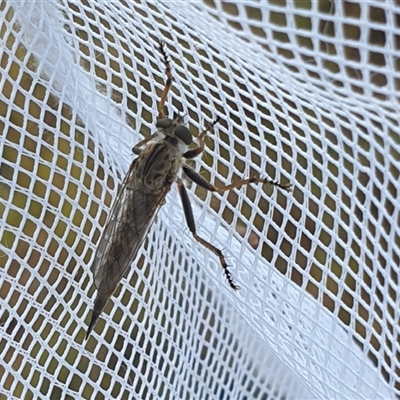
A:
161, 157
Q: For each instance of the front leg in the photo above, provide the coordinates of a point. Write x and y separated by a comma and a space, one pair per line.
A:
200, 141
136, 149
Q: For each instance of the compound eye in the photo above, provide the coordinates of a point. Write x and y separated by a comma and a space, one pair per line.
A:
163, 123
183, 133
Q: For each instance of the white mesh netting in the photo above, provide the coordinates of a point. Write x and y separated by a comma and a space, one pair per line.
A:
308, 93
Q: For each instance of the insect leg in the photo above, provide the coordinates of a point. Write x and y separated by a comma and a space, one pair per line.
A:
136, 149
199, 180
168, 83
187, 208
200, 141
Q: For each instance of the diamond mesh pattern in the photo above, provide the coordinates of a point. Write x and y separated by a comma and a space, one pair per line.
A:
307, 93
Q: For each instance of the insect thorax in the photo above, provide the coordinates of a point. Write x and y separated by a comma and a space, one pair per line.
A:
157, 167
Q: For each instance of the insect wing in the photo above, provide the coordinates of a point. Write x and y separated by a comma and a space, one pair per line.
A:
130, 219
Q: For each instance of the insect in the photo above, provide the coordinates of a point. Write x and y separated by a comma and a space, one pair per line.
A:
161, 157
